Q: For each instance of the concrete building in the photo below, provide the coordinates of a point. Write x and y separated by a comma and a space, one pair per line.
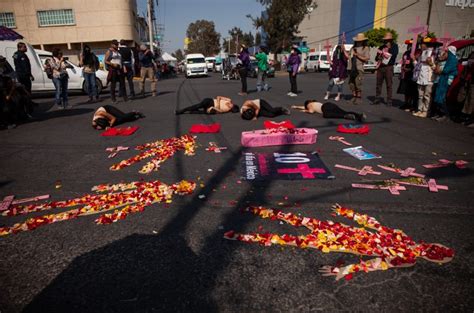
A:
69, 24
333, 17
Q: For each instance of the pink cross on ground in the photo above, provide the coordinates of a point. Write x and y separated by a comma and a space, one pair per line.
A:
340, 139
362, 172
303, 169
5, 204
394, 190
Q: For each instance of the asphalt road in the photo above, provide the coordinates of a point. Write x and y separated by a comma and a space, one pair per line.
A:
174, 258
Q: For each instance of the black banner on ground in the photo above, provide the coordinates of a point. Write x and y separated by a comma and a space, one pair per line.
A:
284, 165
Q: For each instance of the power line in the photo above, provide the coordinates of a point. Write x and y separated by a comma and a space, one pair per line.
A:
368, 24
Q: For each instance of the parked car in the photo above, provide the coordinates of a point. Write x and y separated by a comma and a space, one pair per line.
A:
195, 65
210, 61
463, 49
317, 62
397, 69
218, 65
370, 67
76, 80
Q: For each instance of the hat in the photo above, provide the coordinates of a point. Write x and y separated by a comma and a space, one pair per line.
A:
359, 37
388, 36
408, 41
115, 42
243, 46
452, 49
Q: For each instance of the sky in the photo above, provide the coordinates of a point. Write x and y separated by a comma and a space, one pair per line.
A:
176, 15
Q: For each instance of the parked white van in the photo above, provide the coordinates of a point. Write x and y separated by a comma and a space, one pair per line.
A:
76, 80
37, 57
317, 61
211, 61
195, 65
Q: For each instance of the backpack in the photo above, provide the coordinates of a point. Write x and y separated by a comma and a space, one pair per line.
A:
48, 70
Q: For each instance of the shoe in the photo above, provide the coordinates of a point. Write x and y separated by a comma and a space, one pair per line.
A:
326, 97
289, 93
293, 95
242, 93
286, 111
338, 97
350, 116
11, 126
422, 114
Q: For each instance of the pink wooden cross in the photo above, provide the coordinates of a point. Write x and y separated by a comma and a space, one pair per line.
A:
416, 30
5, 204
343, 38
340, 139
37, 198
115, 150
444, 163
362, 172
446, 40
430, 184
410, 171
394, 190
303, 169
328, 47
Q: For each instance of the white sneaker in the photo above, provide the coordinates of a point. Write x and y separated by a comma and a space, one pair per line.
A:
293, 95
288, 94
337, 98
326, 97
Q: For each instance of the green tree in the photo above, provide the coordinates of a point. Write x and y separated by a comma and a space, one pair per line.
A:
178, 54
284, 18
375, 36
237, 36
204, 38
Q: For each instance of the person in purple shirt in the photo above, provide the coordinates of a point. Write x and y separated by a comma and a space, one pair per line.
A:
244, 57
293, 65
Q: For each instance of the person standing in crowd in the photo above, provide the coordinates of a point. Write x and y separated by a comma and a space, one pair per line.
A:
147, 70
262, 65
60, 78
244, 58
386, 56
407, 86
359, 55
338, 71
23, 66
113, 62
465, 93
128, 61
90, 62
293, 67
445, 75
425, 79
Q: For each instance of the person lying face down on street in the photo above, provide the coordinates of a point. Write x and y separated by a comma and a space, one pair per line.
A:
329, 110
107, 116
211, 106
252, 109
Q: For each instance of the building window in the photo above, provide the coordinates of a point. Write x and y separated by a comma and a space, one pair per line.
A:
7, 19
56, 17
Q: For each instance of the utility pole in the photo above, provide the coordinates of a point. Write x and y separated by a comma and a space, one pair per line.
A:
429, 14
150, 23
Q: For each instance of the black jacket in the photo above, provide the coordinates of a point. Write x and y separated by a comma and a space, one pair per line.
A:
22, 64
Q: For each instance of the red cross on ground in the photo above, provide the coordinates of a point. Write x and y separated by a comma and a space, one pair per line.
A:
303, 169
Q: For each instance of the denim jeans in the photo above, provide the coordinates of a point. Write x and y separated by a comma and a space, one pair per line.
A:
332, 84
89, 79
61, 90
261, 79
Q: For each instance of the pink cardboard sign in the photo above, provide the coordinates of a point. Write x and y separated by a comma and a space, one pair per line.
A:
278, 137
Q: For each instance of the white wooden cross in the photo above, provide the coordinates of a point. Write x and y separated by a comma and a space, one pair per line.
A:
328, 47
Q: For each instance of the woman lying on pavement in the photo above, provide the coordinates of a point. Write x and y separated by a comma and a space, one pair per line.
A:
251, 109
211, 106
108, 116
328, 110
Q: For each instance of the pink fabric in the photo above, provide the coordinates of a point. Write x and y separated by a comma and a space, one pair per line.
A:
284, 124
120, 131
262, 138
202, 128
